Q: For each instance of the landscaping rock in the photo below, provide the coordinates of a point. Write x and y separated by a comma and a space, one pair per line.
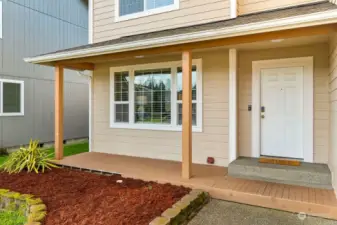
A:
160, 221
183, 210
29, 206
33, 223
171, 213
37, 208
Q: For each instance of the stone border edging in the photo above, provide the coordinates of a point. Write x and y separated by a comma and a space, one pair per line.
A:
33, 208
184, 210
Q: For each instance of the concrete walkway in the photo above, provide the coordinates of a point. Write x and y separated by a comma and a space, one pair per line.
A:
227, 213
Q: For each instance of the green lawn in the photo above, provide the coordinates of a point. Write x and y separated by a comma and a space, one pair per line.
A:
70, 149
11, 218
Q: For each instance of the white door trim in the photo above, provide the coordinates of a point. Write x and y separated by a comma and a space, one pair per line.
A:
308, 102
233, 82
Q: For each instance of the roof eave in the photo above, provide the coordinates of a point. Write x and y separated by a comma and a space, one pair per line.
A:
320, 18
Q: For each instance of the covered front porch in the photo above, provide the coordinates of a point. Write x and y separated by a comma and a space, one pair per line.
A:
211, 106
213, 179
228, 102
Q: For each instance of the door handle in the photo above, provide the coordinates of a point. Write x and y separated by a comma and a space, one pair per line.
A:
263, 109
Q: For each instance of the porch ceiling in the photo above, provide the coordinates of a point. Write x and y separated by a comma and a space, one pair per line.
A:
284, 23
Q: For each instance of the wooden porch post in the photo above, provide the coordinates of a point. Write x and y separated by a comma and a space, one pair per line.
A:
59, 112
187, 115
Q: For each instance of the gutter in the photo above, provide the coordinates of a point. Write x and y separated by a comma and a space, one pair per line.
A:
320, 18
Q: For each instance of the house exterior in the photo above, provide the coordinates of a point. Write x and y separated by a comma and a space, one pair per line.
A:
26, 90
188, 80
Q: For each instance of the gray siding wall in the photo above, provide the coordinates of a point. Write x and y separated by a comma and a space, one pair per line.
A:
32, 27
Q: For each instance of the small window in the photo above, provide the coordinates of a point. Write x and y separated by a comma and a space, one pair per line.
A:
121, 96
11, 98
128, 9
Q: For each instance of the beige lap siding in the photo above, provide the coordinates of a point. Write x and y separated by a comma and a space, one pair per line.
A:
253, 6
321, 94
333, 109
213, 141
191, 12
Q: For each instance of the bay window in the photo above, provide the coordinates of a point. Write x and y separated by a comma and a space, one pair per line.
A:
150, 96
129, 9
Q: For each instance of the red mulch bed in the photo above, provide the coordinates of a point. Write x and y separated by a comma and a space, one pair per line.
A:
80, 198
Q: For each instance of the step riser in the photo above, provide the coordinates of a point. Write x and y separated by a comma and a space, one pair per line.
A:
301, 178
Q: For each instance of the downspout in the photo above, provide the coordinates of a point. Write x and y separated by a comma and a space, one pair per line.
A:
88, 74
91, 37
90, 22
90, 95
233, 9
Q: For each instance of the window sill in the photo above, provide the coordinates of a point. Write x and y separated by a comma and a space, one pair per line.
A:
11, 114
153, 127
146, 13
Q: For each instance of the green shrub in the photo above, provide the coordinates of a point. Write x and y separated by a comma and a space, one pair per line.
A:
12, 218
3, 152
31, 159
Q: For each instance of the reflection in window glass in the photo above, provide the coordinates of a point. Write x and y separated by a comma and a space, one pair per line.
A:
152, 4
130, 6
11, 97
153, 96
180, 83
194, 114
122, 113
121, 95
180, 94
127, 7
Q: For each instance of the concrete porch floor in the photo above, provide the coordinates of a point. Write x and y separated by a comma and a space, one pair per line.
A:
312, 201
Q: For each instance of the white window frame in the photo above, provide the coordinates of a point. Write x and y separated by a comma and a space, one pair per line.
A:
0, 19
173, 126
146, 12
22, 97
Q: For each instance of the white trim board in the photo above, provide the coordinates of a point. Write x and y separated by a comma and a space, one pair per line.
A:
90, 22
90, 85
233, 96
233, 8
308, 101
313, 19
22, 97
1, 19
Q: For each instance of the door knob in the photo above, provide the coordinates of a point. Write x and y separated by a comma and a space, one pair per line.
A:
263, 109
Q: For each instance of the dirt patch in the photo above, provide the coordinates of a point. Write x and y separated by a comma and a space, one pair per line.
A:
80, 198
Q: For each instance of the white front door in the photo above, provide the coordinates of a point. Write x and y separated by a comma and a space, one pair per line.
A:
282, 120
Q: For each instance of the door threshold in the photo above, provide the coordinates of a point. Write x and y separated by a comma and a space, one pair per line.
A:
280, 161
